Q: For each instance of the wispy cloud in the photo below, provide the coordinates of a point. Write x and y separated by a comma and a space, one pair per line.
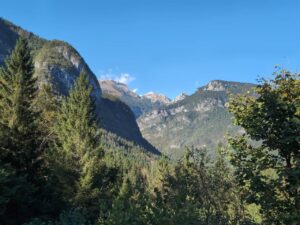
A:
135, 90
124, 78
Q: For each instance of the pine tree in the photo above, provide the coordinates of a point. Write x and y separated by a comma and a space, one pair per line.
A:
132, 204
76, 129
19, 131
77, 144
20, 150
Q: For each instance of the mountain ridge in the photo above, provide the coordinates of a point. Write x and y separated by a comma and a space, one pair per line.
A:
138, 104
199, 120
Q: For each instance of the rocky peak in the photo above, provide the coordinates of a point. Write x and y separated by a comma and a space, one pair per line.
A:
154, 97
180, 97
215, 85
115, 88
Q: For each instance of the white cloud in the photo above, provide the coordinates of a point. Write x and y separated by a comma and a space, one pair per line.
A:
135, 90
124, 78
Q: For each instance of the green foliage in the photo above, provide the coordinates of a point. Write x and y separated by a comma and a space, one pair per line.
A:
270, 172
130, 206
71, 217
21, 155
198, 191
75, 127
78, 152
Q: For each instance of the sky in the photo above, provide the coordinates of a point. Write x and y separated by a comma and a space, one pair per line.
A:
170, 46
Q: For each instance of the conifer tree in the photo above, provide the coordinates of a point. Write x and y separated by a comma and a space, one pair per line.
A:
77, 144
19, 131
132, 204
76, 126
20, 149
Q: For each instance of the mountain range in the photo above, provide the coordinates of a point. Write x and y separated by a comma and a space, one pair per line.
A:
152, 121
139, 104
199, 120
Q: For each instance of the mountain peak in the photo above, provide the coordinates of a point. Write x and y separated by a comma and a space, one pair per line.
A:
116, 88
216, 85
222, 85
180, 97
155, 97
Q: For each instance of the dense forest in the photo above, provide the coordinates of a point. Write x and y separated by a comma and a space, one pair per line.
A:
58, 167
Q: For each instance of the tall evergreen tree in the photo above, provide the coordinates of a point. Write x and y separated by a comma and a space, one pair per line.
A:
19, 131
76, 128
132, 204
77, 144
20, 148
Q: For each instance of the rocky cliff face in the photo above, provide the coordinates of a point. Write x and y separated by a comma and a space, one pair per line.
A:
199, 120
58, 64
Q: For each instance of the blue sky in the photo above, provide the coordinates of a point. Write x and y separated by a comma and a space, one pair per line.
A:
170, 46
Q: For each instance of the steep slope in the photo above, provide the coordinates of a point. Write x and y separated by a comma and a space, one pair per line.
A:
199, 120
138, 104
116, 115
58, 64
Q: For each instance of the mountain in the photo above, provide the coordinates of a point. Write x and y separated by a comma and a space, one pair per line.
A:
179, 97
138, 104
58, 64
199, 120
155, 97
